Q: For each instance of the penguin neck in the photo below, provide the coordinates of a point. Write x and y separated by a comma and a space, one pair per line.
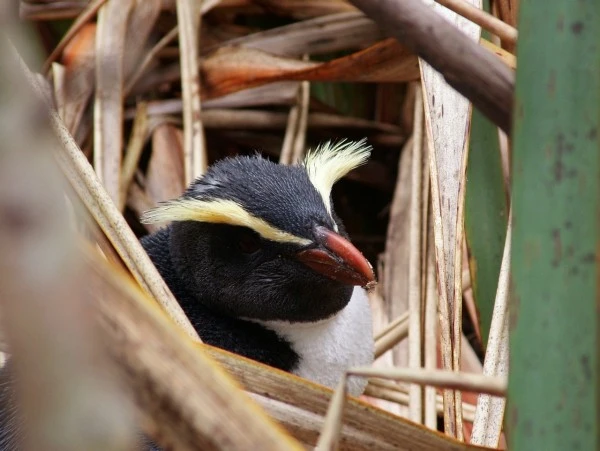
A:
328, 347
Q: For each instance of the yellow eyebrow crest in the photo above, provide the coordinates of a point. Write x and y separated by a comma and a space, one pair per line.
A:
331, 161
218, 211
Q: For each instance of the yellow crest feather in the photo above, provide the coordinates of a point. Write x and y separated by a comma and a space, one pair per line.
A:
218, 211
331, 161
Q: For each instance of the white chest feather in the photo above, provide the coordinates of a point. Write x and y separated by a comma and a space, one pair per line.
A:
327, 348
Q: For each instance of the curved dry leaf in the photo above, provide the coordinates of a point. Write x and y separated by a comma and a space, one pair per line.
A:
78, 85
60, 390
143, 17
278, 93
489, 416
324, 34
52, 9
164, 179
232, 69
447, 115
234, 119
108, 104
75, 30
396, 267
305, 9
194, 150
365, 427
135, 147
415, 298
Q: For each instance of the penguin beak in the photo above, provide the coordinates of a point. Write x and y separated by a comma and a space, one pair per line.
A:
336, 258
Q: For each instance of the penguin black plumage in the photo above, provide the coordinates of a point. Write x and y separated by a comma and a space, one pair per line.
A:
262, 266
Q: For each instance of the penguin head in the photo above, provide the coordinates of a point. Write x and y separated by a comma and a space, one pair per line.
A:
259, 240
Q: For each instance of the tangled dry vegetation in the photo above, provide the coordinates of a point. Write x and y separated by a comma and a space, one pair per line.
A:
145, 94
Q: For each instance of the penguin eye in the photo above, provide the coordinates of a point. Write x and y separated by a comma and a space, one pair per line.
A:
249, 243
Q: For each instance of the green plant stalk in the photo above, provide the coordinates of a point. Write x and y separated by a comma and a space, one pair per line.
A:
554, 367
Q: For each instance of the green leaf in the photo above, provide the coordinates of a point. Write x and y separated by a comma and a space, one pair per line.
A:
486, 214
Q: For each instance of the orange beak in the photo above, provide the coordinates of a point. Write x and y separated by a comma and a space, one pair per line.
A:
337, 259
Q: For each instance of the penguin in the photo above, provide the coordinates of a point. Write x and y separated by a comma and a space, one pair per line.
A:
263, 267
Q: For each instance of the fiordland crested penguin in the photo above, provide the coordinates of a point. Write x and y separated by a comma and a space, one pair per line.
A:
263, 267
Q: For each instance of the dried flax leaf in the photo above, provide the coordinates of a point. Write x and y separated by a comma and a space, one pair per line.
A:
447, 118
305, 9
415, 337
233, 119
149, 58
278, 93
188, 20
164, 179
299, 144
430, 310
469, 363
232, 69
134, 149
79, 24
59, 390
141, 21
54, 9
323, 34
395, 274
58, 79
108, 103
285, 157
34, 10
381, 323
332, 426
45, 311
295, 132
440, 378
365, 427
397, 393
79, 81
390, 328
489, 416
394, 337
